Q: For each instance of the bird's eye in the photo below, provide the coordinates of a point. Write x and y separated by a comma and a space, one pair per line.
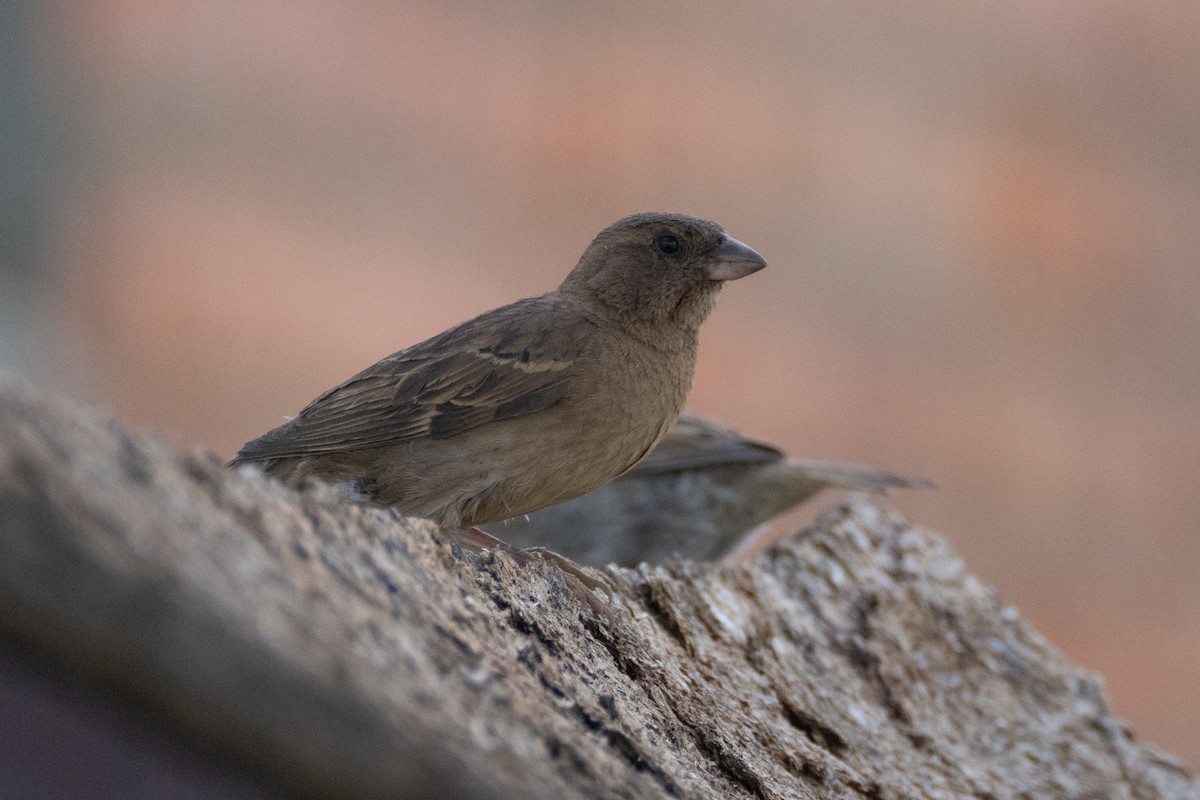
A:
667, 244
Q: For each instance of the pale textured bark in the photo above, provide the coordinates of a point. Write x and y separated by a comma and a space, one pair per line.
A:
344, 651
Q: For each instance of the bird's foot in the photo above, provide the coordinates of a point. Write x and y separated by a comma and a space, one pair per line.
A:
569, 567
477, 539
579, 579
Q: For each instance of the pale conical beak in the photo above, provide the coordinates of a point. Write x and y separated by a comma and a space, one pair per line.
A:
731, 260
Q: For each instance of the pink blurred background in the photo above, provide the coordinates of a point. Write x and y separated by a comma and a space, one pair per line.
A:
983, 226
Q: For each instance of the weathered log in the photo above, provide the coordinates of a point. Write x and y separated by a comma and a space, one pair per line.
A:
341, 650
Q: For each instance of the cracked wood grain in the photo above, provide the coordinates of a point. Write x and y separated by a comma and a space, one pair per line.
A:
340, 649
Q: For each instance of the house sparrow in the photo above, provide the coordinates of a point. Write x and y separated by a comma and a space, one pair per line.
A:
530, 404
698, 493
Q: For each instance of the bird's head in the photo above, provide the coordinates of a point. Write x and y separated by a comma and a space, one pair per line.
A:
659, 268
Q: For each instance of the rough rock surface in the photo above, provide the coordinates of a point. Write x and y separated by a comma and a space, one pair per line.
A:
341, 650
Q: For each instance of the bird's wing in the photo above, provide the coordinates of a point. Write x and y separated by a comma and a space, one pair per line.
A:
853, 476
505, 363
694, 443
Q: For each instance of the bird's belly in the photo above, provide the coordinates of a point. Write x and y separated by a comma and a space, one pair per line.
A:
564, 464
503, 470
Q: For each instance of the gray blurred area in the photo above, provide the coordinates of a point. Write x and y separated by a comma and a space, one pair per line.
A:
60, 740
980, 221
36, 151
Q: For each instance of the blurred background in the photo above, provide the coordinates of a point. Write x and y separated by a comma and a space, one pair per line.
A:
982, 221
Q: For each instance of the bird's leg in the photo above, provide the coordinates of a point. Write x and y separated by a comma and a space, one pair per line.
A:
477, 539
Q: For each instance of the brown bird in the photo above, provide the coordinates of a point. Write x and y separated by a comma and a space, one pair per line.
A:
698, 494
530, 404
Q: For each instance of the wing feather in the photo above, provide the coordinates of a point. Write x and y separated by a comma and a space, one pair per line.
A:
509, 362
693, 443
